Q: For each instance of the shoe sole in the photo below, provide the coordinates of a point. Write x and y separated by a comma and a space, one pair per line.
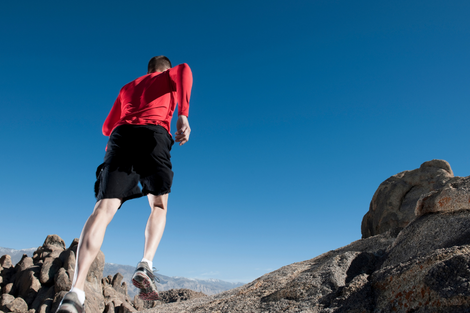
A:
147, 292
67, 308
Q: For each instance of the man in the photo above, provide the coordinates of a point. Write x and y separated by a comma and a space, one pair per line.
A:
138, 150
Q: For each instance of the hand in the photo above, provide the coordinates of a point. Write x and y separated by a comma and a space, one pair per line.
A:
183, 130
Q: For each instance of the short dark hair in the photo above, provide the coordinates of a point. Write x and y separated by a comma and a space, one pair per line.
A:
158, 63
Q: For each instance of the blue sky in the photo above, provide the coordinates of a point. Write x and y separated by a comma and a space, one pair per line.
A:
299, 111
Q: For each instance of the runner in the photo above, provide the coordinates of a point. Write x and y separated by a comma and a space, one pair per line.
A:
138, 151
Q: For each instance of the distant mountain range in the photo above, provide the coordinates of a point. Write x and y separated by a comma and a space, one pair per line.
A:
207, 286
16, 255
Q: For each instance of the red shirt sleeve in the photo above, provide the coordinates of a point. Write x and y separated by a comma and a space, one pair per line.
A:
113, 117
182, 79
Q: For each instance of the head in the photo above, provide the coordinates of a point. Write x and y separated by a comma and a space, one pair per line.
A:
158, 64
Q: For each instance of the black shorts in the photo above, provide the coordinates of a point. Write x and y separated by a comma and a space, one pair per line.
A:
135, 153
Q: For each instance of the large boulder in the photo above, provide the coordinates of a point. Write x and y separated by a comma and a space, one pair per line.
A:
393, 204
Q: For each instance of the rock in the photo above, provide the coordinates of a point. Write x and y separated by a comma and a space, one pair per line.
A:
25, 263
52, 247
355, 297
115, 293
56, 301
428, 233
44, 298
11, 304
436, 282
62, 281
74, 245
126, 308
54, 242
7, 273
141, 305
393, 204
5, 300
5, 261
93, 287
454, 196
69, 262
7, 288
27, 284
17, 305
177, 295
118, 285
49, 269
109, 308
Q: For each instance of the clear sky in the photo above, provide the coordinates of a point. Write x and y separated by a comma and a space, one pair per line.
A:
299, 110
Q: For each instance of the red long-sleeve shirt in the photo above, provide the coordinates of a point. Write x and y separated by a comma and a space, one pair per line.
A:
151, 99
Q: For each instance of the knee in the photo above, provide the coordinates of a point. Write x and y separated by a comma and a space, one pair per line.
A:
158, 203
158, 206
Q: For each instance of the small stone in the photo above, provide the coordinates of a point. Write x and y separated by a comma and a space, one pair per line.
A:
17, 305
109, 308
126, 308
8, 287
6, 299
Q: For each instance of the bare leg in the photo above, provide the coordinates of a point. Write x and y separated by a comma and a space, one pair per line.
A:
155, 224
92, 237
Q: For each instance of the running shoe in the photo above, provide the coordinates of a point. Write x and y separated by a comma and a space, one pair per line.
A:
145, 279
70, 304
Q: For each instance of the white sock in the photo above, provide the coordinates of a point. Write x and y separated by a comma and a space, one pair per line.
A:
80, 293
150, 263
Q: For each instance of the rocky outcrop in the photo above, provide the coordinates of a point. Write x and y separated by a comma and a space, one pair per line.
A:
393, 204
421, 266
37, 284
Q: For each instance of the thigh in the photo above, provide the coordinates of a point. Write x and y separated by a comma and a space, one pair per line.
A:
108, 206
